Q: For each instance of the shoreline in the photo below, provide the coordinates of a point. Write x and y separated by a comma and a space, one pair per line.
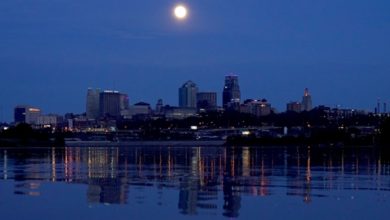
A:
184, 143
145, 143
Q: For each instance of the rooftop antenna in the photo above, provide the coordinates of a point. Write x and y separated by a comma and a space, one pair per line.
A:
306, 93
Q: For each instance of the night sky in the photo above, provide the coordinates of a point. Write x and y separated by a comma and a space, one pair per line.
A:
51, 51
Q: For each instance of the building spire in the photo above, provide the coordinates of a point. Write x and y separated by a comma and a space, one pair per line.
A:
306, 93
306, 101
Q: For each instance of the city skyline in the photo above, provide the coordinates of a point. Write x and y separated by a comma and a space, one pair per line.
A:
52, 51
202, 109
93, 107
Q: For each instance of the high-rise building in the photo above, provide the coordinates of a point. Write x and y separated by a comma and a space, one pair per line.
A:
206, 100
231, 90
20, 114
92, 105
26, 114
187, 95
306, 101
109, 103
294, 107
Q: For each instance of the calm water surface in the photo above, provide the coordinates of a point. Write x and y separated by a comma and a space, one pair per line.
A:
194, 182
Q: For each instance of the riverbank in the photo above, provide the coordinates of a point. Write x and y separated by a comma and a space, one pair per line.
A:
15, 142
307, 141
146, 143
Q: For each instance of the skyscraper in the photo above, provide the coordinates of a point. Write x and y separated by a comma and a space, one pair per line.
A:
109, 103
26, 114
92, 105
231, 90
306, 101
187, 95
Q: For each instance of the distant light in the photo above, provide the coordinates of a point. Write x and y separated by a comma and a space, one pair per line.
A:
110, 91
5, 128
246, 133
34, 110
194, 127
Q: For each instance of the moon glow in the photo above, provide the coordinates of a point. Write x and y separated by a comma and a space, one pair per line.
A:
180, 12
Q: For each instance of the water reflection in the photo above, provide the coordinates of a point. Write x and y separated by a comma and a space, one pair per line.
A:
206, 178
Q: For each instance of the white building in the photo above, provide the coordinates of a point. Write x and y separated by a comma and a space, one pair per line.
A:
50, 120
26, 114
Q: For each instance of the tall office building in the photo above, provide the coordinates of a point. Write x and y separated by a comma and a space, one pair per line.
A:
306, 101
206, 100
187, 95
231, 91
109, 103
26, 114
124, 101
92, 105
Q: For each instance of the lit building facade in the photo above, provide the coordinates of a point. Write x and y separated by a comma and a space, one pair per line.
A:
179, 113
231, 91
26, 114
306, 101
187, 95
50, 120
256, 107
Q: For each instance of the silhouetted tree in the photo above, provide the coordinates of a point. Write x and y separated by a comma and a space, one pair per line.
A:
385, 131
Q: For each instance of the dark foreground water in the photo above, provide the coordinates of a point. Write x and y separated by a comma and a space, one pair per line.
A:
194, 182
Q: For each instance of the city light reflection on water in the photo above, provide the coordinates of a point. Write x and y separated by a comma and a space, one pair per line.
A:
207, 182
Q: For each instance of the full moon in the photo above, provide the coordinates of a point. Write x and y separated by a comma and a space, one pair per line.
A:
180, 12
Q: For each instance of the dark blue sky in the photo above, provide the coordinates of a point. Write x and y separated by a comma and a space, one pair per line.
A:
51, 51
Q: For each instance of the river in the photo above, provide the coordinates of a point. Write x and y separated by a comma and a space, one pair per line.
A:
189, 182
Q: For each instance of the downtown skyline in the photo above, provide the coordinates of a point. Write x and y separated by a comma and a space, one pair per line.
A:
51, 52
101, 103
194, 109
279, 107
